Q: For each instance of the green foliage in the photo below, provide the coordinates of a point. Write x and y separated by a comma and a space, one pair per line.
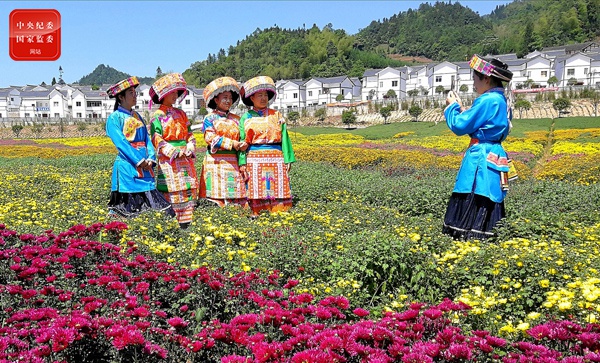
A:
16, 129
339, 97
284, 54
293, 116
202, 111
463, 88
321, 114
385, 112
81, 127
552, 81
561, 104
413, 92
104, 74
390, 94
522, 104
348, 117
439, 89
37, 129
415, 111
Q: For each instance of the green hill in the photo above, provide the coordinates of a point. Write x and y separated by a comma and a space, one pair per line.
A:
104, 74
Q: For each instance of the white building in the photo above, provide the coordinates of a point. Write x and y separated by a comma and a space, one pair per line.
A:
291, 94
320, 91
573, 69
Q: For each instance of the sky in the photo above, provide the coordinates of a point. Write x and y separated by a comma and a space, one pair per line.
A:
137, 37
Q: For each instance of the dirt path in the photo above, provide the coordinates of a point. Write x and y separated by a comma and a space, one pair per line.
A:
547, 153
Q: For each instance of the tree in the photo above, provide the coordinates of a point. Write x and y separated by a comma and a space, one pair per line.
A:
339, 97
81, 127
293, 116
348, 117
463, 88
522, 104
572, 81
37, 129
415, 111
372, 94
321, 114
561, 104
595, 98
413, 92
53, 81
424, 91
385, 112
552, 81
202, 112
439, 89
16, 129
390, 94
159, 72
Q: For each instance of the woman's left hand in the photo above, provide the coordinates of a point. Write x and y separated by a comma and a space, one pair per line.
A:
288, 167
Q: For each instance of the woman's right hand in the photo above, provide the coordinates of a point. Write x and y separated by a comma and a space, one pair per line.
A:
240, 145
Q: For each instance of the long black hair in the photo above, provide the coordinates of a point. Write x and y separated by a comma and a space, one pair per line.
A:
501, 68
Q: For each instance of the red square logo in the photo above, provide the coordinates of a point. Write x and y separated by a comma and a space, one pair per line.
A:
34, 34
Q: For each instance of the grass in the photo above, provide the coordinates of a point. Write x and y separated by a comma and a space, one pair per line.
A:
576, 123
377, 132
425, 129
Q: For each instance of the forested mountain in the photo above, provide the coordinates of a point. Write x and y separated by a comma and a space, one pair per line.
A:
527, 25
446, 31
438, 31
108, 75
289, 54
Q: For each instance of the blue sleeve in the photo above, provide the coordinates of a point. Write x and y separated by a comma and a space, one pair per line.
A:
148, 141
469, 121
114, 130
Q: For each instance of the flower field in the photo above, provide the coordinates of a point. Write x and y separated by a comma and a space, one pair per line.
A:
357, 271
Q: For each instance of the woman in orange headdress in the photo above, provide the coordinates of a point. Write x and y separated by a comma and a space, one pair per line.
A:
221, 181
175, 146
270, 154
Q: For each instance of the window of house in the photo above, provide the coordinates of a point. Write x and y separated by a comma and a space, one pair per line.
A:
585, 71
94, 104
79, 114
141, 93
438, 79
571, 72
342, 92
544, 73
26, 114
78, 104
320, 92
295, 95
187, 102
528, 74
380, 84
0, 115
55, 104
57, 115
394, 83
12, 99
309, 93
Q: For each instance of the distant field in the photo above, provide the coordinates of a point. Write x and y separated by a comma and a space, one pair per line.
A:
424, 129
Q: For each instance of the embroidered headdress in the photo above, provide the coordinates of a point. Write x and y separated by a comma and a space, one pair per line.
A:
260, 83
113, 91
167, 84
493, 68
218, 86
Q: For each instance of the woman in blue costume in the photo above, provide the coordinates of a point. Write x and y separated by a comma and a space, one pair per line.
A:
477, 201
133, 190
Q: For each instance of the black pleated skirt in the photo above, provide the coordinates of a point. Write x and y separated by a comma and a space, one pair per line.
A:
471, 216
129, 205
